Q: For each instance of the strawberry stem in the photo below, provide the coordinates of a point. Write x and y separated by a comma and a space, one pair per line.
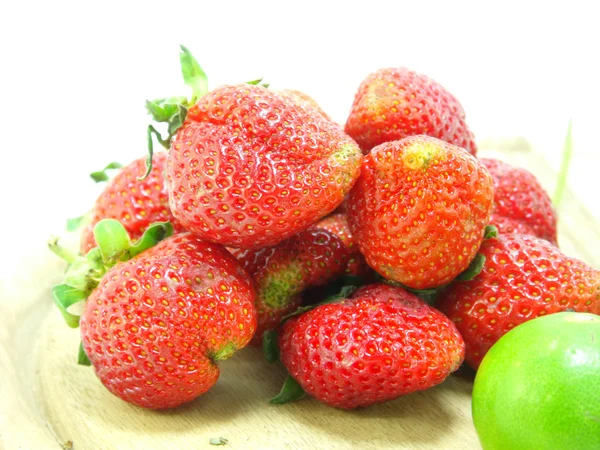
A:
61, 252
161, 141
173, 110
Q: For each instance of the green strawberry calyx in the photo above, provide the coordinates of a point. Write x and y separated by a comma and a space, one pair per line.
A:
290, 392
84, 273
101, 175
73, 224
173, 110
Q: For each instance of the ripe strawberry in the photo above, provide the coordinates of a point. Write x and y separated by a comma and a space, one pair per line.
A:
134, 203
521, 205
380, 344
392, 104
250, 168
419, 209
523, 277
155, 326
282, 272
337, 224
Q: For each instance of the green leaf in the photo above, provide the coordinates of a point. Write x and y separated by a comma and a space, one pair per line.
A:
113, 240
258, 83
290, 392
152, 236
344, 292
75, 223
78, 275
270, 346
567, 153
428, 295
94, 258
176, 121
101, 175
65, 296
490, 232
82, 357
474, 268
193, 75
161, 112
218, 441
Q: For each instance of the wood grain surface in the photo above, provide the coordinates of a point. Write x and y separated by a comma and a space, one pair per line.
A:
49, 401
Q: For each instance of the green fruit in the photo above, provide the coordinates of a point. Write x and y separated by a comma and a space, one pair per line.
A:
539, 386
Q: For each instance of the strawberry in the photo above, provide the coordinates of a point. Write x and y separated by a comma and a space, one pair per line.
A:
156, 326
282, 272
521, 205
523, 277
392, 104
250, 167
419, 210
337, 224
135, 203
380, 344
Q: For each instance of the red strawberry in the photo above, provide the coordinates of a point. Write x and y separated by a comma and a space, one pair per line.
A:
338, 224
134, 203
250, 168
521, 205
343, 208
156, 326
382, 343
392, 104
310, 258
419, 209
523, 277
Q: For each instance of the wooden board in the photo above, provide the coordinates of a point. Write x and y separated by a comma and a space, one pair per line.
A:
48, 400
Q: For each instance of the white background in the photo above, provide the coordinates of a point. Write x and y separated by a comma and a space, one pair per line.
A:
74, 77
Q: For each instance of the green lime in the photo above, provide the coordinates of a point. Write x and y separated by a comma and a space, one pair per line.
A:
538, 387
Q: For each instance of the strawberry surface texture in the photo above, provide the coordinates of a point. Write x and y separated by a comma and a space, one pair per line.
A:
395, 103
250, 167
135, 203
521, 205
381, 343
310, 258
157, 325
419, 210
337, 224
523, 277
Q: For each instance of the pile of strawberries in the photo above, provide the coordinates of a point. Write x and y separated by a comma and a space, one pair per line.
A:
263, 207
